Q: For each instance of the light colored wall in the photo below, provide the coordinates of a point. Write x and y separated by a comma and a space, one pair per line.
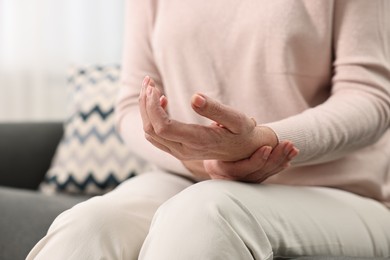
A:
39, 39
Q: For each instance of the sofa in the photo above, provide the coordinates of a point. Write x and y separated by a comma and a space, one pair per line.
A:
26, 151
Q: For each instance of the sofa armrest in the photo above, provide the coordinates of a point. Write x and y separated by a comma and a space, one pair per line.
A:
26, 151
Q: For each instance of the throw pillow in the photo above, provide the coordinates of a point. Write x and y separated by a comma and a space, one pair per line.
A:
91, 157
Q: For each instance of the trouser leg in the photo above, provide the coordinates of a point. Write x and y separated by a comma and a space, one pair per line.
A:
231, 220
112, 226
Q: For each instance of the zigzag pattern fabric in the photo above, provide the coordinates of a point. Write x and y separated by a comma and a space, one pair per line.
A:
91, 157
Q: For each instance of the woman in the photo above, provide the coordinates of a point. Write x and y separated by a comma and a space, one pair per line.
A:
273, 78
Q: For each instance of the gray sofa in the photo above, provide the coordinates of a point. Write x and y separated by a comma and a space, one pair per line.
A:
26, 150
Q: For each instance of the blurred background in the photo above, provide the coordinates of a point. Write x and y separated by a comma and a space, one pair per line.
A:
40, 39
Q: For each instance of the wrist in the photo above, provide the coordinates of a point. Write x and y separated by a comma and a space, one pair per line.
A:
268, 136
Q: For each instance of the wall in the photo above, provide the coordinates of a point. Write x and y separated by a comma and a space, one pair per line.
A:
39, 39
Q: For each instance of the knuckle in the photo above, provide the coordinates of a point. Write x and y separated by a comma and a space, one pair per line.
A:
148, 128
241, 118
215, 109
200, 145
247, 124
244, 123
161, 129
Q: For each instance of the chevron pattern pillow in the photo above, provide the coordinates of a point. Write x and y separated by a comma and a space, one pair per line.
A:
91, 157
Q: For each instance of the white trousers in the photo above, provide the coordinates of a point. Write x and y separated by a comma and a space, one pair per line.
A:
217, 220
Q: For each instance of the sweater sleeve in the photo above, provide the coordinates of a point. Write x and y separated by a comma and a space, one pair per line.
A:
138, 62
358, 110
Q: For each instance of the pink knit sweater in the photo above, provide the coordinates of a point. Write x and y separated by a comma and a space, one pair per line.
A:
317, 72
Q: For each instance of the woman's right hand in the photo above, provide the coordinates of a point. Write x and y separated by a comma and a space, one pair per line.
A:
233, 135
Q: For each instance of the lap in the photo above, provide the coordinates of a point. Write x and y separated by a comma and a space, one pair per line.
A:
138, 196
304, 220
112, 226
156, 185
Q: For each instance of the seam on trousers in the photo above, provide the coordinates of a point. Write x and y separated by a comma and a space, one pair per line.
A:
247, 211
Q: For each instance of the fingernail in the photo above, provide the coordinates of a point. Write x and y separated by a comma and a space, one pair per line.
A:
294, 152
163, 101
151, 83
146, 81
199, 101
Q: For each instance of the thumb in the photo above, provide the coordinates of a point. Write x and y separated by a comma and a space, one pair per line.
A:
230, 118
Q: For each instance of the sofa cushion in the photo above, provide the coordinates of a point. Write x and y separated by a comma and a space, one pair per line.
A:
91, 157
26, 150
26, 217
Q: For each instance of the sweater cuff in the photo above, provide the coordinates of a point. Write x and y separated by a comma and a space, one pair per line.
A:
290, 130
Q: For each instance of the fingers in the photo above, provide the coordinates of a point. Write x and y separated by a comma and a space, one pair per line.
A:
260, 166
239, 169
150, 101
164, 102
152, 107
233, 120
142, 106
159, 123
192, 141
279, 156
278, 161
247, 166
156, 114
160, 130
150, 135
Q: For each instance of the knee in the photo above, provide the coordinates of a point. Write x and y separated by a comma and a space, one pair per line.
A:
208, 201
99, 227
94, 217
218, 223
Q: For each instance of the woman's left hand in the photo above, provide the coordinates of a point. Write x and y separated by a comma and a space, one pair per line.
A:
233, 137
264, 163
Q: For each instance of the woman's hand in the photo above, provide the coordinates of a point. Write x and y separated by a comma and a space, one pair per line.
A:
264, 163
197, 170
233, 137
